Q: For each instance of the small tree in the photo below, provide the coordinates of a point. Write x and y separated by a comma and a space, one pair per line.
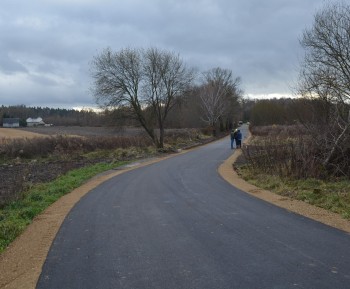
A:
325, 75
217, 92
149, 82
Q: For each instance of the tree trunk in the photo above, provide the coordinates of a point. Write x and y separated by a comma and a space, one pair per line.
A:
161, 138
149, 130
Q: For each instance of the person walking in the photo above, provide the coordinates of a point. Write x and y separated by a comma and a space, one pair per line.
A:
233, 137
238, 139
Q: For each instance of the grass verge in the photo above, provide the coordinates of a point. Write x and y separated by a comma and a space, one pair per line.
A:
17, 215
331, 195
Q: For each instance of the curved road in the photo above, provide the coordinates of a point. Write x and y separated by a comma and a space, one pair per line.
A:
177, 224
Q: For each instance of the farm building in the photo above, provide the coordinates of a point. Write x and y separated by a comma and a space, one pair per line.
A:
10, 122
35, 121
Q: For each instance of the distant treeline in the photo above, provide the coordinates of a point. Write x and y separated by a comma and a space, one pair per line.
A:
282, 111
186, 114
286, 111
55, 116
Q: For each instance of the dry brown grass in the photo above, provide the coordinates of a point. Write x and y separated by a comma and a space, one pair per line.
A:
290, 151
11, 133
24, 161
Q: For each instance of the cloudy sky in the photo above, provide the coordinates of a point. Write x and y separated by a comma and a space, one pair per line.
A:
46, 45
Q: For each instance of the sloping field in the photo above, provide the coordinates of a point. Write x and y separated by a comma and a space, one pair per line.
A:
10, 133
31, 132
85, 131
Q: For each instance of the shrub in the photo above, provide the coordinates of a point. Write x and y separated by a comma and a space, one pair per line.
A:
290, 151
42, 147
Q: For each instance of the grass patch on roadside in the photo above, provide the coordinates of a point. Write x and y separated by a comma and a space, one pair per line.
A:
331, 195
122, 153
17, 215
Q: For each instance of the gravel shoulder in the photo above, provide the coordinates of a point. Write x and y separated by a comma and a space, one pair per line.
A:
21, 263
299, 207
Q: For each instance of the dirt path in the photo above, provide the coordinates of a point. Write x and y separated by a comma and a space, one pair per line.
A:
21, 263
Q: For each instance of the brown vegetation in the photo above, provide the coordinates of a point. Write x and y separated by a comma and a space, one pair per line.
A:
26, 161
290, 151
8, 133
287, 161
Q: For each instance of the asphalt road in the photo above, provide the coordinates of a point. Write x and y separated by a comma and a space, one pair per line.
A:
177, 224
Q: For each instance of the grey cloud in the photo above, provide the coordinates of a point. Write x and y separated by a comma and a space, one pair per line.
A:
53, 41
11, 66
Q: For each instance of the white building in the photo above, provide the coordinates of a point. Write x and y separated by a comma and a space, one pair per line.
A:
35, 121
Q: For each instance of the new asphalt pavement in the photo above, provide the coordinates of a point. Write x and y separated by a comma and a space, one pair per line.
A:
177, 224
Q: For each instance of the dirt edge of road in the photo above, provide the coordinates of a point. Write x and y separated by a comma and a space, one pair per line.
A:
299, 207
22, 261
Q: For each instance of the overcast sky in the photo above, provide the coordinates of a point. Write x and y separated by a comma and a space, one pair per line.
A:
46, 45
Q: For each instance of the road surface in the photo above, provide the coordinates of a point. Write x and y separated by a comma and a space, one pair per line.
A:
177, 224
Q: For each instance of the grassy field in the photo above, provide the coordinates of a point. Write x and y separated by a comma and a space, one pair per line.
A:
330, 195
84, 131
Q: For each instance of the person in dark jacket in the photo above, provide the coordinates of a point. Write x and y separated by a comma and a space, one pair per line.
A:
238, 139
233, 137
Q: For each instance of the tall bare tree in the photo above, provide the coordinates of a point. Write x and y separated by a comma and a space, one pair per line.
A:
147, 81
166, 81
325, 75
217, 91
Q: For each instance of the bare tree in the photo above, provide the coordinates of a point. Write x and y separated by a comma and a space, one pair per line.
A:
216, 94
166, 81
147, 81
325, 75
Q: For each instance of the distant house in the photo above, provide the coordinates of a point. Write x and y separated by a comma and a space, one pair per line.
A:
10, 122
35, 121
